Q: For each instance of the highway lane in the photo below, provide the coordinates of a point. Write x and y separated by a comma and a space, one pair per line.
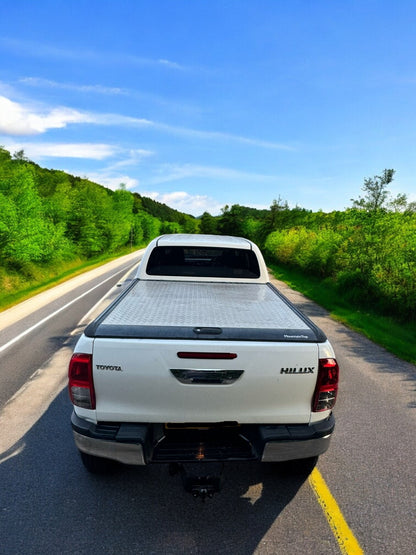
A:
49, 503
57, 311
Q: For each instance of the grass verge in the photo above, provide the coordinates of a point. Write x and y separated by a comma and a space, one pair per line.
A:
16, 288
397, 337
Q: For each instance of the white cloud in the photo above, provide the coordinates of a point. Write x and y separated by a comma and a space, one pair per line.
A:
185, 202
39, 151
47, 83
44, 50
116, 119
110, 176
172, 65
19, 119
71, 150
172, 172
111, 181
212, 135
16, 119
6, 89
133, 157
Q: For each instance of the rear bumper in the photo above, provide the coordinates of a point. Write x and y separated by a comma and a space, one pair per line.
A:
140, 444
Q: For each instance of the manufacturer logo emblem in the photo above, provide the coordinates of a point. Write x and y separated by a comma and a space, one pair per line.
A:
305, 370
108, 367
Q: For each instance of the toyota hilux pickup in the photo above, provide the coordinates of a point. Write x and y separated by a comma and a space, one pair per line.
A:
201, 359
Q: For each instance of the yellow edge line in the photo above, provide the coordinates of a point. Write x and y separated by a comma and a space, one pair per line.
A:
344, 536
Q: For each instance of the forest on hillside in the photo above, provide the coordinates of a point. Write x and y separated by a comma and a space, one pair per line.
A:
48, 215
367, 251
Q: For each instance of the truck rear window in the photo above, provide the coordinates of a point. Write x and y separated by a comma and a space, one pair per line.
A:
203, 262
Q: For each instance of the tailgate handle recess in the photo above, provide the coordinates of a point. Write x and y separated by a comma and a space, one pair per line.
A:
203, 355
208, 331
206, 377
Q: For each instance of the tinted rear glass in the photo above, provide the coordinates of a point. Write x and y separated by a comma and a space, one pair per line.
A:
203, 262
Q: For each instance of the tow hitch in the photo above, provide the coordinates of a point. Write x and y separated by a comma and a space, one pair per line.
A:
202, 480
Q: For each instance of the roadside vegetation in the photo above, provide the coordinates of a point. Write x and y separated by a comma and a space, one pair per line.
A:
359, 263
53, 224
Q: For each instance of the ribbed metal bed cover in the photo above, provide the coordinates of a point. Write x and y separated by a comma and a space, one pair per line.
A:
204, 310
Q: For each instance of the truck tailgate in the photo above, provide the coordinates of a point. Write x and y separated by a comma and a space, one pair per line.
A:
163, 380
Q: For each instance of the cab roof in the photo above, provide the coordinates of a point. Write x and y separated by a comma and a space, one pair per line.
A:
191, 240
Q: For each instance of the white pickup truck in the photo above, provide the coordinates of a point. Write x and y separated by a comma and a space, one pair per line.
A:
201, 359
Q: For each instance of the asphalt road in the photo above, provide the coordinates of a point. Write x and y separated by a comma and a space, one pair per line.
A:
49, 503
45, 323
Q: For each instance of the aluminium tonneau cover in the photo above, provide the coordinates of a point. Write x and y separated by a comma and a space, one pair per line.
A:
193, 310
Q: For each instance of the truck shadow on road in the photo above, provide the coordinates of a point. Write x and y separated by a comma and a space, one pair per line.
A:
50, 503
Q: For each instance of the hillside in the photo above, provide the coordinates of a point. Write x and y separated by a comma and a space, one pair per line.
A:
51, 222
49, 215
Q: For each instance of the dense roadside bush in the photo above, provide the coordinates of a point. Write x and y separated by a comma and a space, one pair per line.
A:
311, 251
371, 258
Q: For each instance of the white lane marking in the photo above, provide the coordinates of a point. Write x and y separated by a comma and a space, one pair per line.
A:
32, 400
17, 312
52, 315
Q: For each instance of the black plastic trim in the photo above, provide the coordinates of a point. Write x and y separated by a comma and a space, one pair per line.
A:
150, 436
182, 332
123, 432
297, 432
320, 335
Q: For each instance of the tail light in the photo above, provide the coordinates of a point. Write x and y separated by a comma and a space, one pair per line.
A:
326, 388
81, 385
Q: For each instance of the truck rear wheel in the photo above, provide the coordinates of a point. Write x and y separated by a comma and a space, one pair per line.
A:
97, 465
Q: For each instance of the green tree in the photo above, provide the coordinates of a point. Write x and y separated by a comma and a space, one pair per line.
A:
150, 225
28, 235
209, 224
189, 224
231, 221
20, 156
273, 219
90, 223
170, 227
5, 157
376, 192
122, 218
8, 224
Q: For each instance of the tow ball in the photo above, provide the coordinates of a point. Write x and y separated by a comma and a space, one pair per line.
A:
200, 479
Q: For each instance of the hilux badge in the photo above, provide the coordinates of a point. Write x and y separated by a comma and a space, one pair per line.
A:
305, 370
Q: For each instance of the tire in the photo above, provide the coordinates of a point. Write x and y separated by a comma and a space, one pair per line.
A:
98, 465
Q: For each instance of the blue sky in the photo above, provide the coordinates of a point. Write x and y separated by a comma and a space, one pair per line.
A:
200, 103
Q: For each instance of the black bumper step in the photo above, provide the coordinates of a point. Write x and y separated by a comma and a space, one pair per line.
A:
181, 446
